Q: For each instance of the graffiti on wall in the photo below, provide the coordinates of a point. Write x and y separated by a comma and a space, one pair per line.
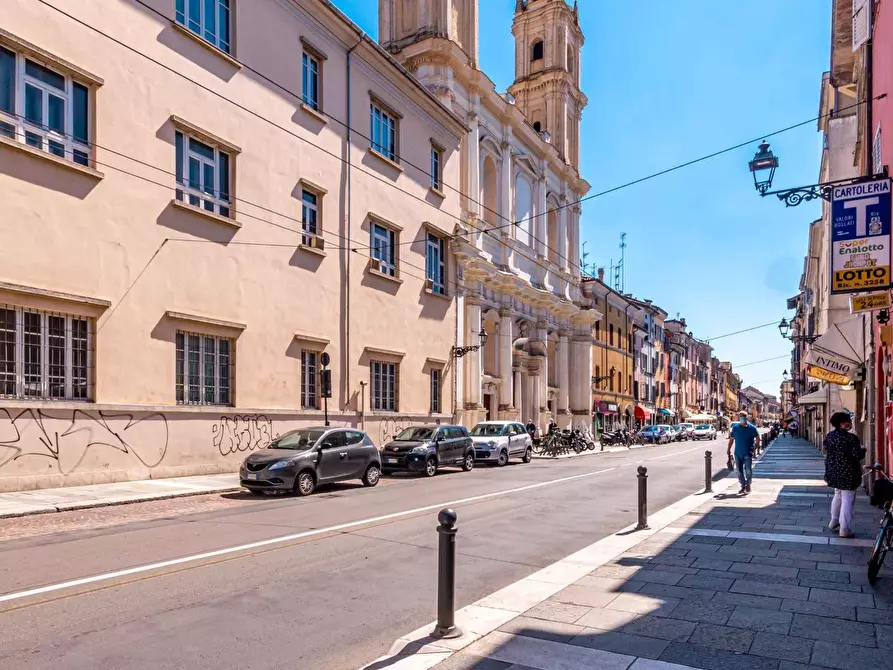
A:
390, 427
65, 438
234, 434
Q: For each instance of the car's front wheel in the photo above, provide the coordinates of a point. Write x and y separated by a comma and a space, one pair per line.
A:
431, 467
305, 484
503, 458
468, 463
528, 455
372, 475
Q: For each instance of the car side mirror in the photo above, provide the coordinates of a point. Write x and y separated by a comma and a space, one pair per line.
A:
325, 445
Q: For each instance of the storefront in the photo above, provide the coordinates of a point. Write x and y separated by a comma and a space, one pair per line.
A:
606, 416
642, 415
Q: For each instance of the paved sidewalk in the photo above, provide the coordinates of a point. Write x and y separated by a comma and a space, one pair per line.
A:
730, 582
40, 501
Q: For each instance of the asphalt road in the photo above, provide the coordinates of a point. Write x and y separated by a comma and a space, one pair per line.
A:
305, 594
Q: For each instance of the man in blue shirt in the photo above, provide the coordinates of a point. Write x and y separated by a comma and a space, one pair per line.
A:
743, 435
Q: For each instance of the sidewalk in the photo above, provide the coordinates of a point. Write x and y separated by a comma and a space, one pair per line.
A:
720, 581
40, 501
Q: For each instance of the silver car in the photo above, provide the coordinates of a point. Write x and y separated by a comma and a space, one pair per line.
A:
498, 441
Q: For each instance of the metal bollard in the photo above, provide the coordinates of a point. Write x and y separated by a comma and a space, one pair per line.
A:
708, 472
643, 498
446, 576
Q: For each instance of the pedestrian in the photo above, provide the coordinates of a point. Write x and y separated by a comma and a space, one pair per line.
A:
843, 471
743, 435
552, 425
792, 428
531, 429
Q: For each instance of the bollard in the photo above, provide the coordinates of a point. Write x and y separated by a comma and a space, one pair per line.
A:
708, 472
643, 498
446, 576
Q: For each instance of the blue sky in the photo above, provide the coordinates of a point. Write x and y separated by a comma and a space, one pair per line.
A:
668, 82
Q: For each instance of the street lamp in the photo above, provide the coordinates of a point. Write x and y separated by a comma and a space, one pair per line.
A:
785, 329
784, 375
599, 380
459, 352
763, 168
763, 161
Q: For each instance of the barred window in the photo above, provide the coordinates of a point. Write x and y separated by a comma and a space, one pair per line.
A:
384, 386
435, 390
203, 370
309, 379
45, 355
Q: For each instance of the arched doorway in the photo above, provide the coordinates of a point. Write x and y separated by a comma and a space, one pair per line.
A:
490, 362
489, 192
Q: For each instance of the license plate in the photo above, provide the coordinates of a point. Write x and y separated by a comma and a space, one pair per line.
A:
390, 460
252, 475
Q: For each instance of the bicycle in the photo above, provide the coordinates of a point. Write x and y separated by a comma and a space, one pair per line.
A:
884, 541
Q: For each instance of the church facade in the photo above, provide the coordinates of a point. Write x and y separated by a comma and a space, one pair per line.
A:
516, 248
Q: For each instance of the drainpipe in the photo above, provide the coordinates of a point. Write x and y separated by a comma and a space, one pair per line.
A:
345, 354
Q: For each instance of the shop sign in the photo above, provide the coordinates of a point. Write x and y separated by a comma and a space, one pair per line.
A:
860, 236
607, 407
827, 375
870, 302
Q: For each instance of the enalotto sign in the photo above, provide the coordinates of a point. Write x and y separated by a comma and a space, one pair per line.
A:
860, 236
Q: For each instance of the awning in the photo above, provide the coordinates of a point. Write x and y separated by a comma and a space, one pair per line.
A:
687, 414
839, 354
819, 397
701, 417
641, 413
833, 395
665, 412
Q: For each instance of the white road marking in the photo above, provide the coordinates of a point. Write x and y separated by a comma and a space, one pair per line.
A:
280, 540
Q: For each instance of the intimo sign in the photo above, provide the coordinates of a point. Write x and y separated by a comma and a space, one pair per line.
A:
860, 236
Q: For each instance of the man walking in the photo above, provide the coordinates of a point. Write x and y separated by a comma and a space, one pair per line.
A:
743, 435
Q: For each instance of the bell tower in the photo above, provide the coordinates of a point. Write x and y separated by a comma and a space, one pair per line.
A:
548, 41
402, 24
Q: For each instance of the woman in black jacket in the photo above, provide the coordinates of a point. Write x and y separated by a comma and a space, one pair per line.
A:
843, 471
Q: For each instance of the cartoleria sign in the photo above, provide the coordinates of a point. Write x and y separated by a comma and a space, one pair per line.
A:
860, 236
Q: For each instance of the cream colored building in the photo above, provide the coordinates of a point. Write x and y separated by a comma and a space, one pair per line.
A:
519, 278
188, 226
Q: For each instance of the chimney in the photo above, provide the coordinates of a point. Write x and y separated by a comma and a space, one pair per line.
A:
601, 275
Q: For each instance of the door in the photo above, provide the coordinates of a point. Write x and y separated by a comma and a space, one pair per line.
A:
516, 439
333, 458
357, 452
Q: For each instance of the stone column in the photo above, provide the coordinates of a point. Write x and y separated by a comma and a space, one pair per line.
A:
516, 393
473, 166
542, 334
562, 237
563, 377
541, 219
505, 199
473, 359
506, 337
536, 382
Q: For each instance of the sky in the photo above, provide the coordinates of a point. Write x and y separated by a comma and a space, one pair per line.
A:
669, 82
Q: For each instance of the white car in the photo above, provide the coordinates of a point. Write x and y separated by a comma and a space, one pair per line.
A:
498, 441
705, 432
688, 429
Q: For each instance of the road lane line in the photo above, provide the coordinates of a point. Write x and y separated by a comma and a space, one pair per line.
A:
18, 595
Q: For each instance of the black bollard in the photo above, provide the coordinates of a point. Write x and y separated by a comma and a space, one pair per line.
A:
708, 472
446, 576
643, 498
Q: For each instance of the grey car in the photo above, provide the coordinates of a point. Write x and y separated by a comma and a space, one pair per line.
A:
497, 441
426, 449
302, 459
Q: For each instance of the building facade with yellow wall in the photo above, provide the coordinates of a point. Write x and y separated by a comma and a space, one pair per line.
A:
612, 357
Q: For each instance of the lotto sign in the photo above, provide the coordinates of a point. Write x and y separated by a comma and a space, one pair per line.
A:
860, 236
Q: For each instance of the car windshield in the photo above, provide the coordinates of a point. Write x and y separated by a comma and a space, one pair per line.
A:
416, 434
703, 428
687, 425
297, 439
487, 430
664, 426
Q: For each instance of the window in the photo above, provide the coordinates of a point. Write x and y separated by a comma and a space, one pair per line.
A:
598, 330
45, 355
310, 81
436, 168
611, 334
43, 108
537, 51
309, 378
203, 370
630, 383
598, 373
203, 173
435, 390
309, 215
610, 381
537, 126
384, 131
384, 386
384, 249
209, 19
877, 153
435, 264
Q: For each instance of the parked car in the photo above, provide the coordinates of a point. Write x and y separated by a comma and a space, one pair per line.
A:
654, 435
669, 430
705, 432
300, 460
498, 441
426, 449
689, 429
679, 433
